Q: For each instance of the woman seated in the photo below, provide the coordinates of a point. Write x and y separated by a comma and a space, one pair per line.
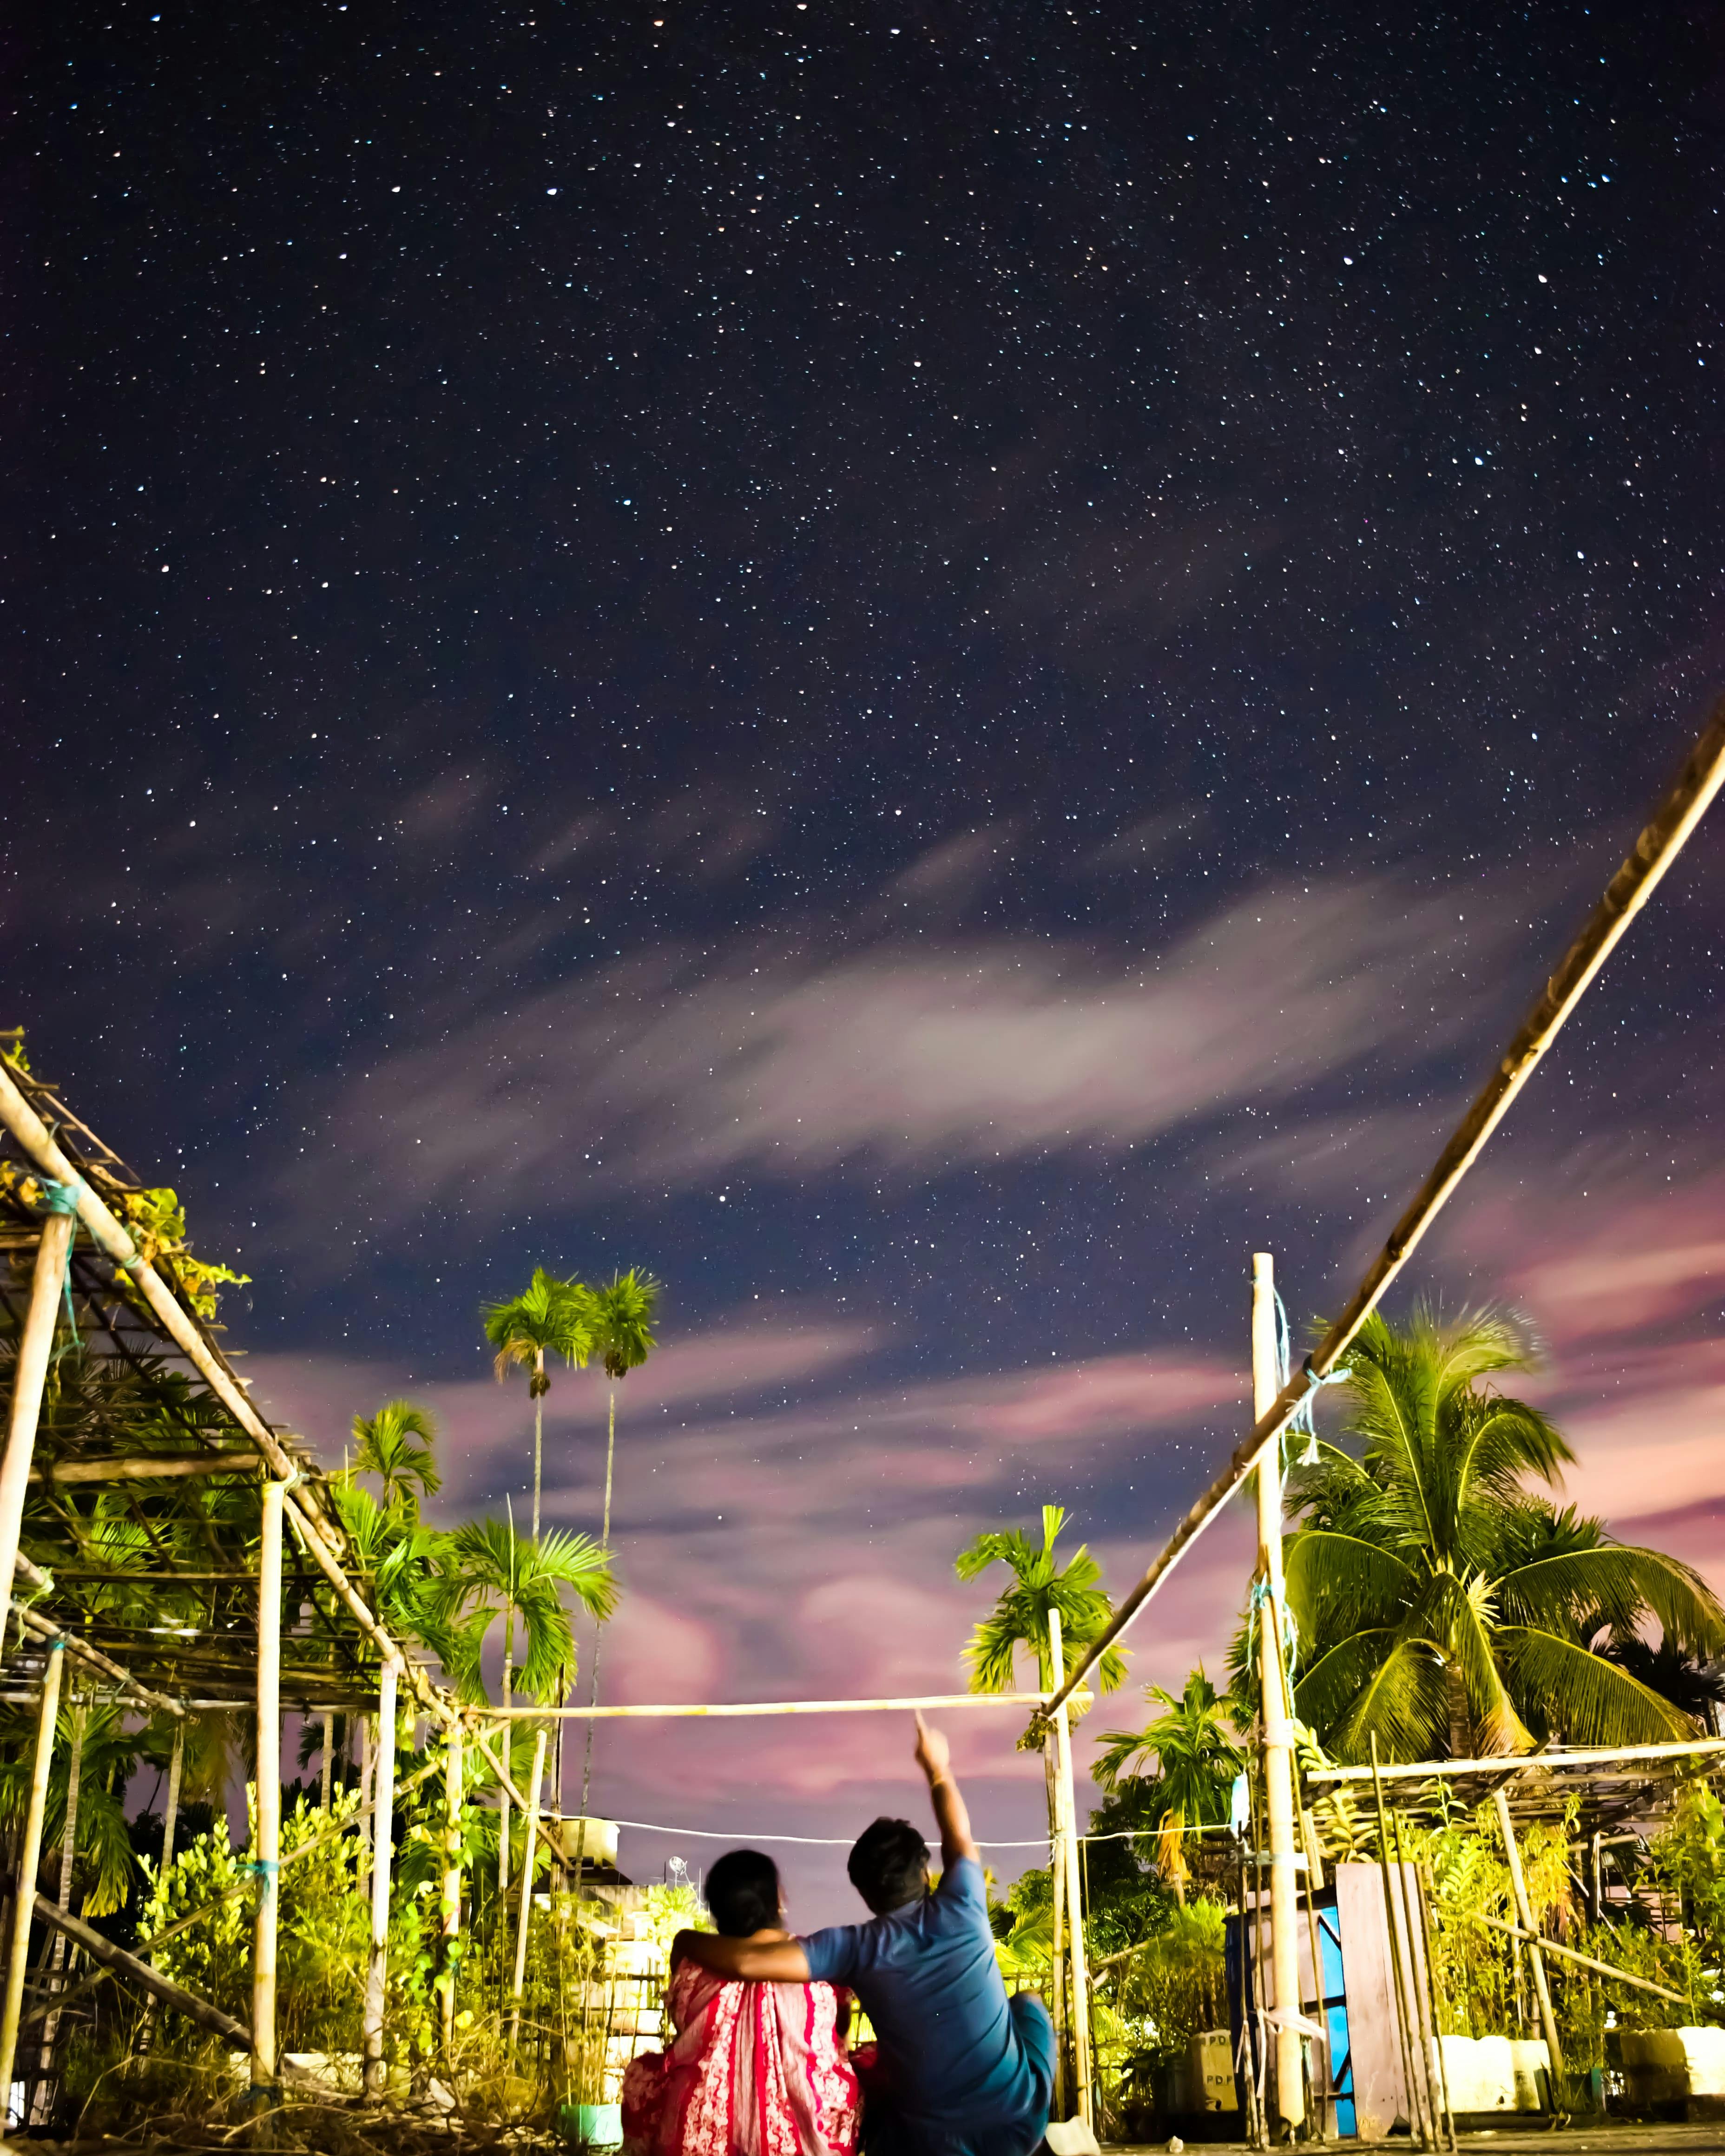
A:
756, 2069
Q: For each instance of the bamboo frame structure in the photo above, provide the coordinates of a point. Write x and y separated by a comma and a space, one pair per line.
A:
29, 1375
1660, 842
941, 1701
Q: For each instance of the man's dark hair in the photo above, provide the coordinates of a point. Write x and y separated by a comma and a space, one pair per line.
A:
742, 1893
888, 1865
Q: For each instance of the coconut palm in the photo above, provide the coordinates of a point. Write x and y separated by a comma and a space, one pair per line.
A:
551, 1316
395, 1445
1019, 1618
1441, 1603
1198, 1755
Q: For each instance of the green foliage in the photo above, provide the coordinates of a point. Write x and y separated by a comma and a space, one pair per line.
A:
1039, 1583
395, 1444
494, 1572
1440, 1605
621, 1315
1199, 1754
549, 1317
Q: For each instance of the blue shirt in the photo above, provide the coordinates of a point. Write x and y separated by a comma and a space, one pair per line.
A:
953, 2054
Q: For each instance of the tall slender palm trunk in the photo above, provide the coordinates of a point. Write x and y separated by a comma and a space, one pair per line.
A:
57, 1952
599, 1639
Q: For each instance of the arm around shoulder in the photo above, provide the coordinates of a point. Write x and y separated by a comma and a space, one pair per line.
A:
779, 1961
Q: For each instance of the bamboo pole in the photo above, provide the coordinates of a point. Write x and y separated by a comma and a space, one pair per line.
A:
1581, 1961
266, 1846
45, 1629
531, 1817
1629, 890
382, 1856
146, 1467
1536, 1957
941, 1700
140, 1973
1424, 1995
1078, 1985
362, 1869
1275, 1719
29, 1864
1603, 1755
55, 1958
326, 1773
452, 1885
29, 1375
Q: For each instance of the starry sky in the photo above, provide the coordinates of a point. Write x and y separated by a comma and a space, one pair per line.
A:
931, 669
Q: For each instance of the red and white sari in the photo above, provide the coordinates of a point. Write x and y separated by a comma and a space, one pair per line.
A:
755, 2070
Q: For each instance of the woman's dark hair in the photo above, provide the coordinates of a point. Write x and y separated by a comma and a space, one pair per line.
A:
888, 1865
742, 1893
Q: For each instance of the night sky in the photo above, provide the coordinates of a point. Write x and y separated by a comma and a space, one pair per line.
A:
930, 670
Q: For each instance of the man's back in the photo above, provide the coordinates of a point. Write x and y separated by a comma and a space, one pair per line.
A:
954, 2062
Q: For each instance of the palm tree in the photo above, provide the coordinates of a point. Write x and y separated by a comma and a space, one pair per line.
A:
1197, 1758
1441, 1603
395, 1445
551, 1316
492, 1571
1019, 1618
621, 1316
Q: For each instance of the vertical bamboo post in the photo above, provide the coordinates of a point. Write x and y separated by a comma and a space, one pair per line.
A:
364, 1743
1275, 1715
328, 1748
1066, 1857
56, 1959
266, 1840
1536, 1960
382, 1854
452, 1883
29, 1864
29, 1374
526, 1910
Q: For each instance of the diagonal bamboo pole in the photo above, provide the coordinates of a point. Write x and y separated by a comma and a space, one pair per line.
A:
28, 1864
1536, 1958
266, 1846
534, 1785
1659, 845
29, 1375
382, 1857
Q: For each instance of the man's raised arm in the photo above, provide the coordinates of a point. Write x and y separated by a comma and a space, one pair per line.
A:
774, 1961
934, 1756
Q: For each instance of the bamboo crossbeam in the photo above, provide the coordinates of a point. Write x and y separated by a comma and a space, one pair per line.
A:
45, 1630
1593, 1756
146, 1467
1658, 844
1540, 1943
941, 1700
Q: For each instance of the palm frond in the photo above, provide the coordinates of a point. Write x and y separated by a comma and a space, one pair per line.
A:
1584, 1697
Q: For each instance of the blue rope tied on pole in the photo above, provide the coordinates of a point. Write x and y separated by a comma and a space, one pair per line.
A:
1290, 1626
62, 1198
265, 1868
1301, 1419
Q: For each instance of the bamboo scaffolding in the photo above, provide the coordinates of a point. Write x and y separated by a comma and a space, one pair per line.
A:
266, 1841
29, 1375
144, 1467
1443, 1770
128, 1967
29, 1864
1629, 890
1583, 1961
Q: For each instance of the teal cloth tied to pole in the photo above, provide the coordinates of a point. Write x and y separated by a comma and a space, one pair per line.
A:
1301, 1419
62, 1198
